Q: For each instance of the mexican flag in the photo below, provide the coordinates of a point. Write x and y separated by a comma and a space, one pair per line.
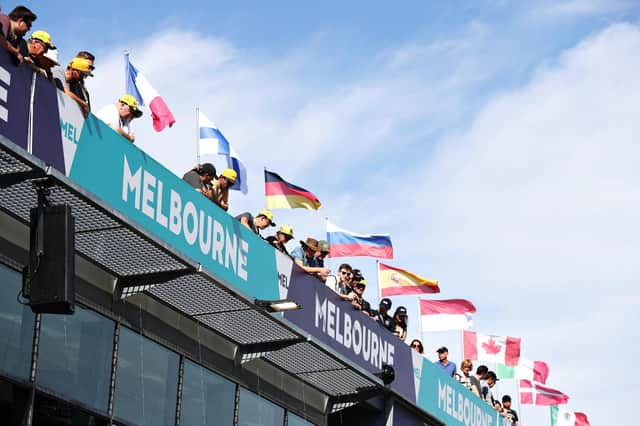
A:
496, 349
537, 371
562, 417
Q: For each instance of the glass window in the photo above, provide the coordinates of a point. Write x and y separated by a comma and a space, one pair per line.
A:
16, 327
49, 411
75, 356
257, 411
293, 420
146, 381
207, 398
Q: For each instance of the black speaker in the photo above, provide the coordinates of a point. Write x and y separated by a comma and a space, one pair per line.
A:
49, 282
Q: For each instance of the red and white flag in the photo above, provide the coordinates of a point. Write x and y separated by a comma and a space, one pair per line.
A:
443, 315
534, 393
497, 349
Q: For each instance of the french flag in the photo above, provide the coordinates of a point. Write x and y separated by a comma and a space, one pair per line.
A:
343, 243
145, 94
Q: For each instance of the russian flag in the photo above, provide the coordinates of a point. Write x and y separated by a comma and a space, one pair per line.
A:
343, 243
145, 94
212, 141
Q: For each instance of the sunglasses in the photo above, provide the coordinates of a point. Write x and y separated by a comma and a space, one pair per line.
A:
346, 273
361, 286
416, 345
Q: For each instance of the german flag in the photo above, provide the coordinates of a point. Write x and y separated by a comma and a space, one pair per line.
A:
280, 194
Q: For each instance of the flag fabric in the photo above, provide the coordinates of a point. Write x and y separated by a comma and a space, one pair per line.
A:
212, 141
562, 417
535, 393
138, 86
496, 349
343, 243
443, 315
537, 371
400, 282
281, 194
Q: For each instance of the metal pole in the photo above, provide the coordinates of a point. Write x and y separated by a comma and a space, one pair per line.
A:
30, 125
197, 136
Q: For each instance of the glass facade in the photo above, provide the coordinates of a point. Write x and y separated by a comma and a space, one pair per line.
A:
74, 364
75, 356
207, 398
257, 411
293, 420
16, 327
146, 381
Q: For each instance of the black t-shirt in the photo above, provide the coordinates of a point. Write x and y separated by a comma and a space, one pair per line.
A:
249, 217
273, 240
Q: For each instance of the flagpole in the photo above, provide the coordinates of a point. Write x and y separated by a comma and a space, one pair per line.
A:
378, 278
420, 321
197, 136
518, 397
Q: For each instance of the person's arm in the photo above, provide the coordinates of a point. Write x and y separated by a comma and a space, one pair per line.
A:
121, 132
311, 269
11, 48
245, 221
84, 106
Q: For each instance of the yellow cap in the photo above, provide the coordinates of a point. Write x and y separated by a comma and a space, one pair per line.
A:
286, 230
133, 104
44, 37
229, 174
268, 215
81, 64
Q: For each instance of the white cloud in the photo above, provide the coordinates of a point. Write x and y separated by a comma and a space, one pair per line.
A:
532, 213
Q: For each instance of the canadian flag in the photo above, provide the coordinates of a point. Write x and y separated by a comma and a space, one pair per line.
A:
498, 349
534, 393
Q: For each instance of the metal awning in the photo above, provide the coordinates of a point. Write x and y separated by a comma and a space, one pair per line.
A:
142, 262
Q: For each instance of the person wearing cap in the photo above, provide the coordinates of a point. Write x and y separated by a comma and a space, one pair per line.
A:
283, 236
510, 415
383, 317
304, 257
76, 71
119, 116
321, 254
443, 361
200, 178
49, 63
400, 327
38, 44
261, 221
221, 186
359, 285
14, 26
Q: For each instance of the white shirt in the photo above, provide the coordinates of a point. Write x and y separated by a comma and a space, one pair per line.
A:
110, 115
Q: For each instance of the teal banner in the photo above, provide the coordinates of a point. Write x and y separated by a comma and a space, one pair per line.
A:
450, 401
135, 184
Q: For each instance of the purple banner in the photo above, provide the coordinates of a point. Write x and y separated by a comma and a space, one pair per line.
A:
15, 91
339, 325
47, 139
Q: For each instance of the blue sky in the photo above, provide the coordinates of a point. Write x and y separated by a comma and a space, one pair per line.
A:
496, 141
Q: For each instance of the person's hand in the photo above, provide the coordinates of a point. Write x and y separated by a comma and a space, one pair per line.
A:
325, 271
351, 296
20, 58
132, 137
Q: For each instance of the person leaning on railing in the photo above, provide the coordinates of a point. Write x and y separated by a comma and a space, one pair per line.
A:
14, 26
119, 116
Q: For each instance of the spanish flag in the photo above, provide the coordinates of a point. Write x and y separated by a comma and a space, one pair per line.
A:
400, 282
280, 194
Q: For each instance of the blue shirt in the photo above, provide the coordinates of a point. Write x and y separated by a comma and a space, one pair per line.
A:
298, 253
450, 368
